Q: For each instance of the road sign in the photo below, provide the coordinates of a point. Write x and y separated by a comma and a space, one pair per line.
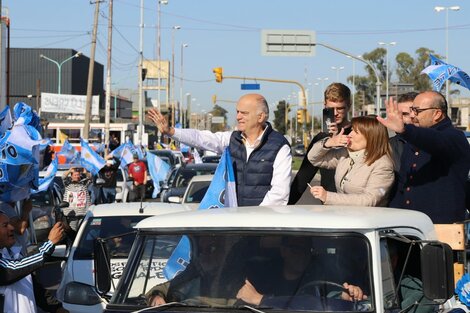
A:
250, 86
288, 43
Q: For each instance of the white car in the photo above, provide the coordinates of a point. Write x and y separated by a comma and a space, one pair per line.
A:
76, 290
195, 191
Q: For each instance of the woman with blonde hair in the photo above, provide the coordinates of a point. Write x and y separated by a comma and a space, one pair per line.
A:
364, 167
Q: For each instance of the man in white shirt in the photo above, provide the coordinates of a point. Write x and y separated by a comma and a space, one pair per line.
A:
261, 156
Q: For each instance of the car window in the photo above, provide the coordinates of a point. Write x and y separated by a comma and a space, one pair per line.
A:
104, 227
43, 198
196, 191
184, 176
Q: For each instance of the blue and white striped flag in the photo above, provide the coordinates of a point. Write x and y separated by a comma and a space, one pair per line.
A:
127, 155
89, 159
45, 181
439, 71
197, 157
221, 193
6, 121
24, 115
158, 170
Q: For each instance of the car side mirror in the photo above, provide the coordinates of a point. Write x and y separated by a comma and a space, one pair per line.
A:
174, 199
437, 271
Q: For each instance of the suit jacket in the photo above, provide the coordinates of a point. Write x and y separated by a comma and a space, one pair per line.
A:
356, 184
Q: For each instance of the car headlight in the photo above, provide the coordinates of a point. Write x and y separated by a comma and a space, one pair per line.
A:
82, 294
42, 222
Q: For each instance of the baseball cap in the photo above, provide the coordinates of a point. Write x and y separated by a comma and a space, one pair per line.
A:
135, 156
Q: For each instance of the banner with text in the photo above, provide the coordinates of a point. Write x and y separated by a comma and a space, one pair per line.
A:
74, 104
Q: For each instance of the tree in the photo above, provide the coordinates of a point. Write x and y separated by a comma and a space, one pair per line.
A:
219, 111
280, 117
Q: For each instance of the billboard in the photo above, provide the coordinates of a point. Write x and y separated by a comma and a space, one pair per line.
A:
72, 104
152, 69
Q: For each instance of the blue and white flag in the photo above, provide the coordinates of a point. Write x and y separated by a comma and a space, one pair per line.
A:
158, 170
6, 121
89, 159
116, 153
222, 190
179, 259
98, 147
439, 71
127, 155
69, 152
45, 181
221, 193
24, 115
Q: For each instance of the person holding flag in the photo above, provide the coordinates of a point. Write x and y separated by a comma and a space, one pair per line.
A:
261, 156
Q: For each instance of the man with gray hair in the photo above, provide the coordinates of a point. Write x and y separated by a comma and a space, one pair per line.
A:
435, 159
261, 156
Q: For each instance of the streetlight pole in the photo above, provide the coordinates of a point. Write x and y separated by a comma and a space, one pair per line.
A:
337, 69
159, 3
140, 78
353, 84
386, 44
173, 29
59, 66
439, 9
183, 45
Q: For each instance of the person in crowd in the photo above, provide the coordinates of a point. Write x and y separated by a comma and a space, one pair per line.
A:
404, 103
138, 172
261, 156
435, 160
77, 196
109, 174
338, 97
364, 168
16, 286
113, 142
286, 283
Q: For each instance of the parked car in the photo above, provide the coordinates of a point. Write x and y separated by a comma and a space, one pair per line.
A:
42, 213
179, 179
179, 157
173, 161
195, 191
298, 150
76, 290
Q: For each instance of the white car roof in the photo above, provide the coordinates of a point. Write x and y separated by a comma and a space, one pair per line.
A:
132, 208
314, 217
202, 178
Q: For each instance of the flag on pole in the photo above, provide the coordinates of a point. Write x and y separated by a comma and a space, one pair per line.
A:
158, 170
221, 193
45, 181
439, 71
89, 159
68, 151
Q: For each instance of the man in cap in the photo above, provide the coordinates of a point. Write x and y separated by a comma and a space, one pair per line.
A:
109, 176
138, 172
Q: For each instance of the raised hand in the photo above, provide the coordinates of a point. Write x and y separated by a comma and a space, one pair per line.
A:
394, 120
160, 121
339, 140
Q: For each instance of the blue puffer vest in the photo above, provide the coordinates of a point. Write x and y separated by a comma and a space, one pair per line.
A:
253, 177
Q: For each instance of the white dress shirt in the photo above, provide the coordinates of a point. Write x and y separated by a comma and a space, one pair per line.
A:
282, 166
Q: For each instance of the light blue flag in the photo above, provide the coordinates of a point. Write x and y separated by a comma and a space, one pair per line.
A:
221, 193
127, 155
439, 71
89, 159
68, 151
222, 190
24, 115
116, 153
179, 259
98, 147
158, 170
45, 181
6, 121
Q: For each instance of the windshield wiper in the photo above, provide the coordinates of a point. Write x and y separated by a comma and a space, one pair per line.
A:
170, 305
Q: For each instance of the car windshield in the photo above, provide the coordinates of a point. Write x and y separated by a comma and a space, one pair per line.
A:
196, 191
105, 227
43, 198
291, 271
183, 177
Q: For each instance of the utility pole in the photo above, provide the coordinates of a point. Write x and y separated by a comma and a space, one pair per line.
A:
91, 68
140, 78
108, 78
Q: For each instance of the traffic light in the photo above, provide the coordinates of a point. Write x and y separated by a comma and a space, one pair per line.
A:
144, 73
218, 74
300, 116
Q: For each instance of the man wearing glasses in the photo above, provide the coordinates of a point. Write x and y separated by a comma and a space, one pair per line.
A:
337, 96
435, 160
